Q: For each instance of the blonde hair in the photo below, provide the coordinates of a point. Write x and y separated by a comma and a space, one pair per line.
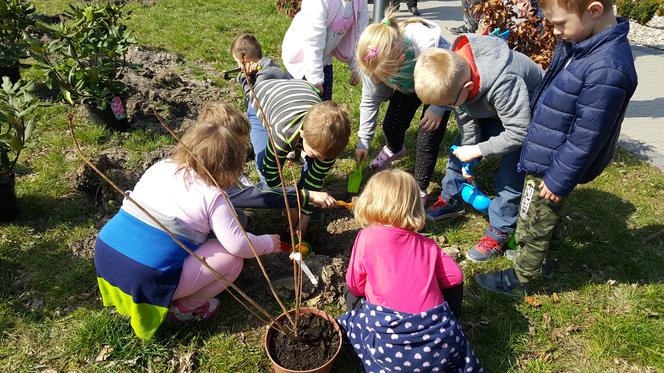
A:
381, 46
439, 76
219, 140
391, 197
248, 45
326, 128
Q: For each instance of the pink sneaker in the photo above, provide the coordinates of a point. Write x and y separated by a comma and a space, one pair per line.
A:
207, 310
385, 158
178, 313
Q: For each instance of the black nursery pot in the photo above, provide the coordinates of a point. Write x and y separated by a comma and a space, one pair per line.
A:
13, 72
8, 205
108, 117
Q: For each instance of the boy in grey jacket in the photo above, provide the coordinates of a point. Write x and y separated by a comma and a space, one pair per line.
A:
490, 86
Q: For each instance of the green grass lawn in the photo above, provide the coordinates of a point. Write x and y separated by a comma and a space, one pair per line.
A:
606, 315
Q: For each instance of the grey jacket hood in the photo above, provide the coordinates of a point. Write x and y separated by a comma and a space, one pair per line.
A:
507, 80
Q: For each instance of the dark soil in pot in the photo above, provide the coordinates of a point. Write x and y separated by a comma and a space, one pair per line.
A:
317, 343
8, 205
13, 72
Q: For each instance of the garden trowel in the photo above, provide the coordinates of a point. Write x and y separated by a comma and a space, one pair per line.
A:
355, 179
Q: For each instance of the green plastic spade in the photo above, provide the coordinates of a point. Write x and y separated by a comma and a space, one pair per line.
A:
355, 179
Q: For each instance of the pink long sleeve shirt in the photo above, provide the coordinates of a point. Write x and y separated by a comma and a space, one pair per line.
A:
400, 269
199, 206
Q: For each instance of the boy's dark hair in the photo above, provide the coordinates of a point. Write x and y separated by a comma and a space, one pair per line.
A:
247, 44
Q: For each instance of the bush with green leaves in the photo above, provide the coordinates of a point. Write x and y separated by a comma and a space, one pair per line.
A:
16, 17
641, 11
87, 56
17, 107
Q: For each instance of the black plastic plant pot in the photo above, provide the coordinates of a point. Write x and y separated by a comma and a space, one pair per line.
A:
8, 205
114, 116
13, 72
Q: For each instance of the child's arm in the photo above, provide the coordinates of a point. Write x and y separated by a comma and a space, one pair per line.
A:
313, 179
230, 234
372, 96
469, 131
599, 108
356, 275
315, 12
511, 100
448, 272
269, 70
262, 196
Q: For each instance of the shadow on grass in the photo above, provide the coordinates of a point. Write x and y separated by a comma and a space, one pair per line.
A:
599, 244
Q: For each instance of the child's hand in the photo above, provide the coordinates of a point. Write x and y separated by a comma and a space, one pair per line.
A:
467, 176
430, 120
354, 78
276, 243
467, 153
322, 199
547, 194
361, 155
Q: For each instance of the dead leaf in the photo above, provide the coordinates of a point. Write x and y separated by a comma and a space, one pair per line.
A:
555, 298
105, 352
532, 301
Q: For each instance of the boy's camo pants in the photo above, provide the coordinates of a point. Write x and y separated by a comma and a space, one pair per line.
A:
537, 230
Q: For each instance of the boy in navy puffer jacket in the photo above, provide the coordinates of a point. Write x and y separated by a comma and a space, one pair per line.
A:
577, 114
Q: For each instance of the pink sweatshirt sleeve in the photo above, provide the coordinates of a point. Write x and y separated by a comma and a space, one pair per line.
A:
230, 235
356, 276
448, 272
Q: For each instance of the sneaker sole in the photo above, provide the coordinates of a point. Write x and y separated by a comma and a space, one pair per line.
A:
447, 216
481, 261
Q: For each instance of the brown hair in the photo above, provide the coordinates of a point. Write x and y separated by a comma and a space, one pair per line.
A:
326, 128
576, 6
220, 144
439, 76
391, 197
247, 44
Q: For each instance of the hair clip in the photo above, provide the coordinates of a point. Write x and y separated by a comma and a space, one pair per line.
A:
387, 22
372, 52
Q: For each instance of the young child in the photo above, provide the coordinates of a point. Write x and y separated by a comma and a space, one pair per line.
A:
577, 115
299, 120
141, 270
386, 55
323, 29
406, 323
258, 68
490, 86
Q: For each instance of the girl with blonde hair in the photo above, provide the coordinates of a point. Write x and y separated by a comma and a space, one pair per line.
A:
386, 55
140, 269
407, 291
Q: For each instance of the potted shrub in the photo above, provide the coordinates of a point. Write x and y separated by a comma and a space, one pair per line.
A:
16, 16
16, 126
87, 58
